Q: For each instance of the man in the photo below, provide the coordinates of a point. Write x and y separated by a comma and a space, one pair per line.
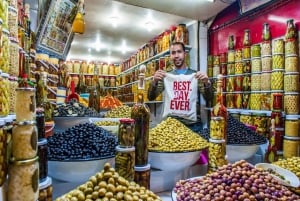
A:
177, 56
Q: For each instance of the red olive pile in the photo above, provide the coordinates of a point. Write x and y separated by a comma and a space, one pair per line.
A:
238, 181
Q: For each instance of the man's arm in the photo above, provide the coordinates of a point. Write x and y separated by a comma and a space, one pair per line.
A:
155, 89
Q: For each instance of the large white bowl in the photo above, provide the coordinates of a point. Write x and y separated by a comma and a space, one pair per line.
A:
240, 152
76, 171
173, 161
112, 129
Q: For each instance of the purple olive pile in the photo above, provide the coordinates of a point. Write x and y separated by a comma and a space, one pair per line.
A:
74, 109
238, 133
84, 141
238, 181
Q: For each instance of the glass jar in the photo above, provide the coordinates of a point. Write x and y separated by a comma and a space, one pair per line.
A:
266, 63
246, 100
278, 61
277, 103
278, 46
290, 47
231, 69
265, 81
217, 153
291, 146
13, 85
238, 68
45, 190
76, 67
4, 65
260, 121
278, 117
277, 79
266, 35
255, 50
291, 103
246, 41
124, 162
256, 65
4, 94
265, 100
246, 52
23, 182
238, 55
24, 140
255, 101
89, 80
83, 67
217, 126
3, 151
43, 158
91, 68
25, 104
126, 133
266, 49
231, 56
40, 122
255, 81
292, 126
231, 42
105, 69
238, 97
235, 115
291, 64
229, 100
216, 71
14, 58
291, 82
142, 175
223, 57
238, 83
247, 66
279, 133
290, 29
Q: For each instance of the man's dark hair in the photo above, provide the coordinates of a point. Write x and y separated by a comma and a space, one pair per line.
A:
179, 43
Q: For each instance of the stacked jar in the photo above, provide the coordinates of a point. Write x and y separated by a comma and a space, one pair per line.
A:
229, 84
217, 146
256, 67
4, 94
23, 180
125, 151
291, 142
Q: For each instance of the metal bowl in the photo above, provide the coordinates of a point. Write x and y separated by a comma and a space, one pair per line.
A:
76, 170
173, 160
240, 152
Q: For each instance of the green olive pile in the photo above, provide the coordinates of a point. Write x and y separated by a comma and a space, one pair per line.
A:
107, 185
292, 164
238, 181
119, 112
172, 136
106, 123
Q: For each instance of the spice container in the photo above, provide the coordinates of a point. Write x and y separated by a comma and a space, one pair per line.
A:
292, 126
126, 133
125, 162
255, 81
278, 117
24, 140
265, 81
23, 180
238, 68
238, 55
256, 65
142, 175
3, 151
217, 153
291, 82
277, 61
291, 64
217, 126
230, 56
25, 107
45, 190
43, 159
4, 94
266, 48
277, 79
278, 46
291, 103
255, 51
291, 146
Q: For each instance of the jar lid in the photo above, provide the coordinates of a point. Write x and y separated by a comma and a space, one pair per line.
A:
292, 117
292, 55
25, 162
291, 138
46, 183
24, 123
25, 89
142, 168
42, 141
127, 120
129, 149
217, 141
2, 122
280, 39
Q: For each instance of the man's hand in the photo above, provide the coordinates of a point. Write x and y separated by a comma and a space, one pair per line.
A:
203, 77
158, 75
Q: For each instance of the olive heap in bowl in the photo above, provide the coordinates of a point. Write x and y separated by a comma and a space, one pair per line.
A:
173, 146
79, 152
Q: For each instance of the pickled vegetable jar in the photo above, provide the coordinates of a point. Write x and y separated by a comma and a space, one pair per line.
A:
3, 151
24, 141
230, 69
238, 100
291, 146
126, 133
255, 81
23, 182
4, 94
142, 175
246, 83
290, 47
255, 101
216, 153
25, 104
291, 103
13, 85
266, 36
278, 117
246, 52
292, 126
277, 79
279, 133
230, 82
238, 55
256, 65
278, 61
239, 68
246, 41
217, 126
76, 67
260, 121
230, 100
230, 56
291, 82
246, 101
265, 101
291, 64
247, 66
266, 63
45, 190
255, 50
43, 159
266, 49
265, 81
238, 86
223, 69
277, 101
278, 46
291, 32
124, 162
216, 71
14, 58
223, 57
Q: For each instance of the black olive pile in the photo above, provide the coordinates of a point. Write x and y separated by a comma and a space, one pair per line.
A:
74, 109
84, 141
238, 133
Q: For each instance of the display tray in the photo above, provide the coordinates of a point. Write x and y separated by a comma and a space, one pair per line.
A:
290, 179
173, 194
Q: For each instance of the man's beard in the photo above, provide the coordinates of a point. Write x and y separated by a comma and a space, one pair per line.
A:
179, 63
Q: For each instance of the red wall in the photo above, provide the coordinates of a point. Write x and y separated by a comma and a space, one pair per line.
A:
230, 22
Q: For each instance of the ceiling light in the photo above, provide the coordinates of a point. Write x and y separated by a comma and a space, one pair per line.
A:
211, 0
89, 50
277, 18
114, 21
149, 26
